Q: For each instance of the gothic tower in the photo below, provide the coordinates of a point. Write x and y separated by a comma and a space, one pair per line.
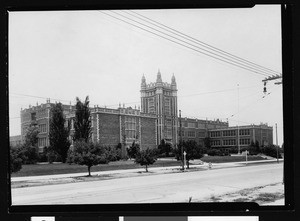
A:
160, 98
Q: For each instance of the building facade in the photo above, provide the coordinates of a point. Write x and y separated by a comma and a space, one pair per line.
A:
123, 125
241, 136
160, 98
109, 126
197, 129
156, 120
39, 116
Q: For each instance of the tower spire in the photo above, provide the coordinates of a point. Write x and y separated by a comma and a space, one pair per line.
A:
158, 79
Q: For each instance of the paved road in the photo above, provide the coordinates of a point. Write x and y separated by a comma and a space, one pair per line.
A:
175, 187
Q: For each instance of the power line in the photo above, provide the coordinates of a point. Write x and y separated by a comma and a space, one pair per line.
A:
232, 63
235, 59
236, 62
165, 27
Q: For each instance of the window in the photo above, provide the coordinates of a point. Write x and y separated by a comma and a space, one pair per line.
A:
229, 133
191, 134
42, 128
244, 141
130, 127
229, 142
216, 143
244, 132
215, 134
167, 106
151, 107
42, 142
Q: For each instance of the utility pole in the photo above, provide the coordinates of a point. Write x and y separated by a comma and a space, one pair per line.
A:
181, 140
277, 143
238, 129
273, 77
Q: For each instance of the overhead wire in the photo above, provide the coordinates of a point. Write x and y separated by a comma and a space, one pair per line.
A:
237, 63
251, 68
172, 30
161, 36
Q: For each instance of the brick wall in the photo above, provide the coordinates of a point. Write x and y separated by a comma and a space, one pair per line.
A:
109, 129
148, 138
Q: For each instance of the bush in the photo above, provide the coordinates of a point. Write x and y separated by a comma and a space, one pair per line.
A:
15, 160
70, 156
113, 153
43, 157
29, 154
214, 152
271, 151
133, 150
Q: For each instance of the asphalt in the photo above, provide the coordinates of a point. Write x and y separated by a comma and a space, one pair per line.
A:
193, 165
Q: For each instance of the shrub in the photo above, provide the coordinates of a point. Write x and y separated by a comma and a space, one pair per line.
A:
15, 160
133, 150
214, 152
271, 151
113, 153
29, 154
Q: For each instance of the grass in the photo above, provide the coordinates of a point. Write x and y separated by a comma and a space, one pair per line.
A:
64, 168
227, 159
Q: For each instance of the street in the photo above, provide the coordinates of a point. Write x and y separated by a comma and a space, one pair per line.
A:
162, 188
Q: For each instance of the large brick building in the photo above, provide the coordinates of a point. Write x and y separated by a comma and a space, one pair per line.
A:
156, 120
160, 98
241, 136
109, 126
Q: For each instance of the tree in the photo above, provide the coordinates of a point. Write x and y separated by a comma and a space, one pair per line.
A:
29, 150
82, 122
207, 142
254, 148
133, 150
31, 137
165, 148
15, 160
146, 157
271, 150
192, 149
89, 154
59, 134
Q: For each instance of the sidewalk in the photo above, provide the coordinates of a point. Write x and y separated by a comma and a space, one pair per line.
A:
151, 169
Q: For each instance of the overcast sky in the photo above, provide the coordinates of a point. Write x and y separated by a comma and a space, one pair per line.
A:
64, 54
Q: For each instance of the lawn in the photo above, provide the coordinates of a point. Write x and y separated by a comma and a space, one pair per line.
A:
227, 159
64, 168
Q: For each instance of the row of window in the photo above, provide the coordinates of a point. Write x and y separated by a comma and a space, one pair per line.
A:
151, 93
230, 142
192, 133
229, 133
215, 133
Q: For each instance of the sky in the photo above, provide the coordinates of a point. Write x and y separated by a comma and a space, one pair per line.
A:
62, 55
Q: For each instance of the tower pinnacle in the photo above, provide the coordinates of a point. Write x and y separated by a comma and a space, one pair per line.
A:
158, 79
